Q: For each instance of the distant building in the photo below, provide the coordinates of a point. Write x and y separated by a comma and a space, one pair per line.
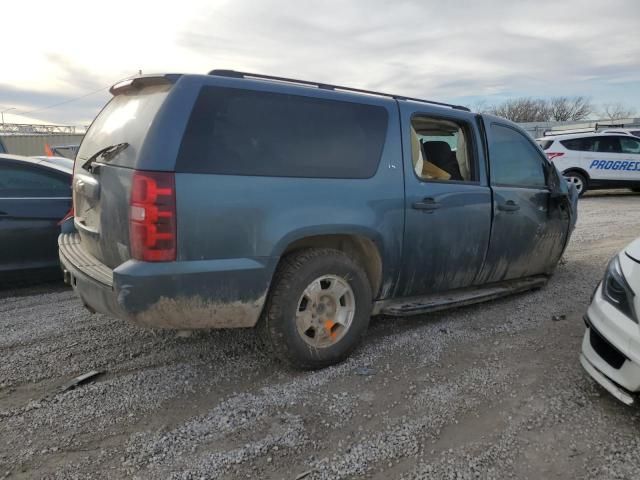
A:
32, 139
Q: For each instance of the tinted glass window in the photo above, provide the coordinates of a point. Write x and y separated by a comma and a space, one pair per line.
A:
514, 160
635, 132
607, 145
26, 181
581, 144
126, 118
2, 150
242, 132
629, 145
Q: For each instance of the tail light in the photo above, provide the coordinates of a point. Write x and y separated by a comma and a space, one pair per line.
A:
552, 155
70, 214
152, 216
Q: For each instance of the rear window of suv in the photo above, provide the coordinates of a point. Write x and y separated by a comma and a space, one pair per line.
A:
244, 132
126, 118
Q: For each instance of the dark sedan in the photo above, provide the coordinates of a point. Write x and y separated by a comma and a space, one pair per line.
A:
34, 196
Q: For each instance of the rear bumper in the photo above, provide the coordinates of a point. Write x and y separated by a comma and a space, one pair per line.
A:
224, 293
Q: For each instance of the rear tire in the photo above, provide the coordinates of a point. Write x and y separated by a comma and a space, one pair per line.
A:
579, 180
318, 309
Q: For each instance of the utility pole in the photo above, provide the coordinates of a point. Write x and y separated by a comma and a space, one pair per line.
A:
2, 113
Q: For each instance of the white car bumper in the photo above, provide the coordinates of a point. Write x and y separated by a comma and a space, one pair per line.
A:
611, 349
611, 387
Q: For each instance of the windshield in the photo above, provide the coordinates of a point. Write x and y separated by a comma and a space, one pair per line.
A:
125, 119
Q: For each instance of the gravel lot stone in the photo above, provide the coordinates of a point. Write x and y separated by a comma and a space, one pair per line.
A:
489, 391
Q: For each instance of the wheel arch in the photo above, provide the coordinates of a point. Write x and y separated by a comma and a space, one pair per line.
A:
364, 250
579, 170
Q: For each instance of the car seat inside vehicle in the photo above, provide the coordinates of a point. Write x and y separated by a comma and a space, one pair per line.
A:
440, 154
422, 168
439, 149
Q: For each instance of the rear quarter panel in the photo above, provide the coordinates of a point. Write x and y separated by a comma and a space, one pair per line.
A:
257, 217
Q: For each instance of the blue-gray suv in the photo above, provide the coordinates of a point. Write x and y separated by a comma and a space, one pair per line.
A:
241, 200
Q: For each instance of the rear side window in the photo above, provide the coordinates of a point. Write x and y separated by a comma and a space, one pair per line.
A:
580, 144
18, 181
608, 145
514, 160
244, 132
442, 150
635, 132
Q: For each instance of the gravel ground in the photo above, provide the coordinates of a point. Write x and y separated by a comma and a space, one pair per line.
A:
489, 391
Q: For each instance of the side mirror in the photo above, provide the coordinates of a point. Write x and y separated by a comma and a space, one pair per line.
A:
558, 186
559, 193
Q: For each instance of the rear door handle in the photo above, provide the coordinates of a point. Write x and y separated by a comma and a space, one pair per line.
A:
3, 214
508, 206
427, 203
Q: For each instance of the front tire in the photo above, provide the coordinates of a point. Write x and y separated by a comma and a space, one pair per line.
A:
318, 309
578, 180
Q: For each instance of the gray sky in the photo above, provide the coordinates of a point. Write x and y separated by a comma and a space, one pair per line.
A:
462, 51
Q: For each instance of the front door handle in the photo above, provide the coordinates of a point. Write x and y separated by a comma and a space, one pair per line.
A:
508, 206
427, 203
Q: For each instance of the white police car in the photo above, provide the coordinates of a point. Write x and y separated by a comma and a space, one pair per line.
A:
611, 343
595, 160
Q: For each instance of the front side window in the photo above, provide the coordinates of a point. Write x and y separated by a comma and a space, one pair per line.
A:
18, 181
514, 160
246, 132
441, 150
629, 145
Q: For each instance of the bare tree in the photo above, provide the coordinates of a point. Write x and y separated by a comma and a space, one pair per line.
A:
559, 109
481, 106
522, 109
562, 109
616, 111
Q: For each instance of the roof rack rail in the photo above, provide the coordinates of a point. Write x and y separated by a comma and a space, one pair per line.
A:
326, 86
569, 131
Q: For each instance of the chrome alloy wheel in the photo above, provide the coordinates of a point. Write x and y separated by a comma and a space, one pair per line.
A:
325, 311
577, 181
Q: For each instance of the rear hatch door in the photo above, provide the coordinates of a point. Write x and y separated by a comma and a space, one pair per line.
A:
105, 164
